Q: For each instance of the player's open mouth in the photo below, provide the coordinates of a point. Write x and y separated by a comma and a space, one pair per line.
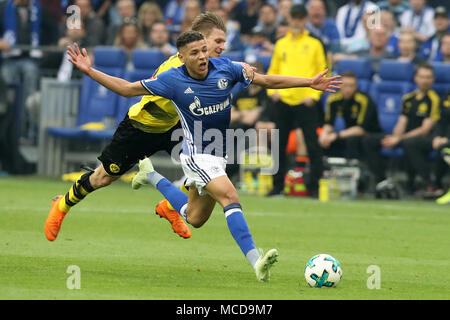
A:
202, 66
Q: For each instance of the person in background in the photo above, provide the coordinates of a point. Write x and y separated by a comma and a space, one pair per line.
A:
284, 10
129, 38
322, 27
359, 113
233, 35
377, 50
94, 25
148, 14
192, 8
297, 108
418, 19
26, 23
246, 109
267, 22
248, 17
174, 15
212, 5
444, 53
378, 38
127, 11
159, 39
349, 20
441, 143
388, 21
248, 104
408, 49
418, 155
257, 44
359, 43
282, 29
58, 61
420, 112
396, 7
430, 48
65, 69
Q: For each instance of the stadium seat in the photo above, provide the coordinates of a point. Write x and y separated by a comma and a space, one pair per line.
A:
395, 82
361, 67
339, 124
124, 102
145, 62
442, 77
97, 104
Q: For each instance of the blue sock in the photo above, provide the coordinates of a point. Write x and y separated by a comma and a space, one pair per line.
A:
177, 198
240, 232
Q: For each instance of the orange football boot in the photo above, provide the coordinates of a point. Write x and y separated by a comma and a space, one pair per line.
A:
54, 220
178, 225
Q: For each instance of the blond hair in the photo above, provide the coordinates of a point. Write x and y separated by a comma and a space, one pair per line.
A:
206, 22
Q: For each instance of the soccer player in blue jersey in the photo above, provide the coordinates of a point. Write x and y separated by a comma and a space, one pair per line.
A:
201, 91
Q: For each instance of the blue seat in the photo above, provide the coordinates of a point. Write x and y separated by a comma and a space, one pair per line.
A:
442, 77
124, 102
361, 67
147, 61
339, 124
96, 102
395, 82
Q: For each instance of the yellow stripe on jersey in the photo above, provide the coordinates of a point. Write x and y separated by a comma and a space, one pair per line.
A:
364, 102
334, 97
156, 114
435, 112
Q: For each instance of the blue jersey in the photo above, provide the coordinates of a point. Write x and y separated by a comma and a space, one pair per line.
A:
204, 106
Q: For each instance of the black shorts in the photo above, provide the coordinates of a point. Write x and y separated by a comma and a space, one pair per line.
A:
130, 144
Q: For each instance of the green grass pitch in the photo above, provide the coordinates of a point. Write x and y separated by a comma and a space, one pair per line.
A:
125, 252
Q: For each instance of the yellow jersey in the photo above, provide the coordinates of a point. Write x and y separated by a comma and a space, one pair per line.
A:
297, 55
154, 114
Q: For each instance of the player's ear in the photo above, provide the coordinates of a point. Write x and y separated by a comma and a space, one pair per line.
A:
180, 56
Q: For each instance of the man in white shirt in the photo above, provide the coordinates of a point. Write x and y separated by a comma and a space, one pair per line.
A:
349, 20
419, 19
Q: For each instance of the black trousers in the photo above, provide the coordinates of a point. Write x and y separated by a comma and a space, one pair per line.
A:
417, 162
287, 118
350, 148
417, 152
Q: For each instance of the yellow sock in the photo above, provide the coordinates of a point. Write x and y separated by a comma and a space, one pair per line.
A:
63, 205
169, 205
184, 189
76, 194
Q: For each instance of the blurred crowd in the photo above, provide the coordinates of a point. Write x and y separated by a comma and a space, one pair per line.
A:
301, 36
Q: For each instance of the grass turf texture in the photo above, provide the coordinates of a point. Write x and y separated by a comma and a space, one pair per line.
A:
125, 252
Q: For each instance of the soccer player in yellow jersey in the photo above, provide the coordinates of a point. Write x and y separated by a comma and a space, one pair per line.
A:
146, 129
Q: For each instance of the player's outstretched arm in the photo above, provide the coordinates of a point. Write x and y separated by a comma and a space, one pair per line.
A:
120, 86
319, 82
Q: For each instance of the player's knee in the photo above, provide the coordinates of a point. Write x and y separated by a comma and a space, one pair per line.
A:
196, 222
101, 179
230, 196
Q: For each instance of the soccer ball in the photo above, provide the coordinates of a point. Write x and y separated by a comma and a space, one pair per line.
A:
323, 270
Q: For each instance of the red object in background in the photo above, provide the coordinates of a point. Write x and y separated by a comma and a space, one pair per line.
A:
294, 183
291, 146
